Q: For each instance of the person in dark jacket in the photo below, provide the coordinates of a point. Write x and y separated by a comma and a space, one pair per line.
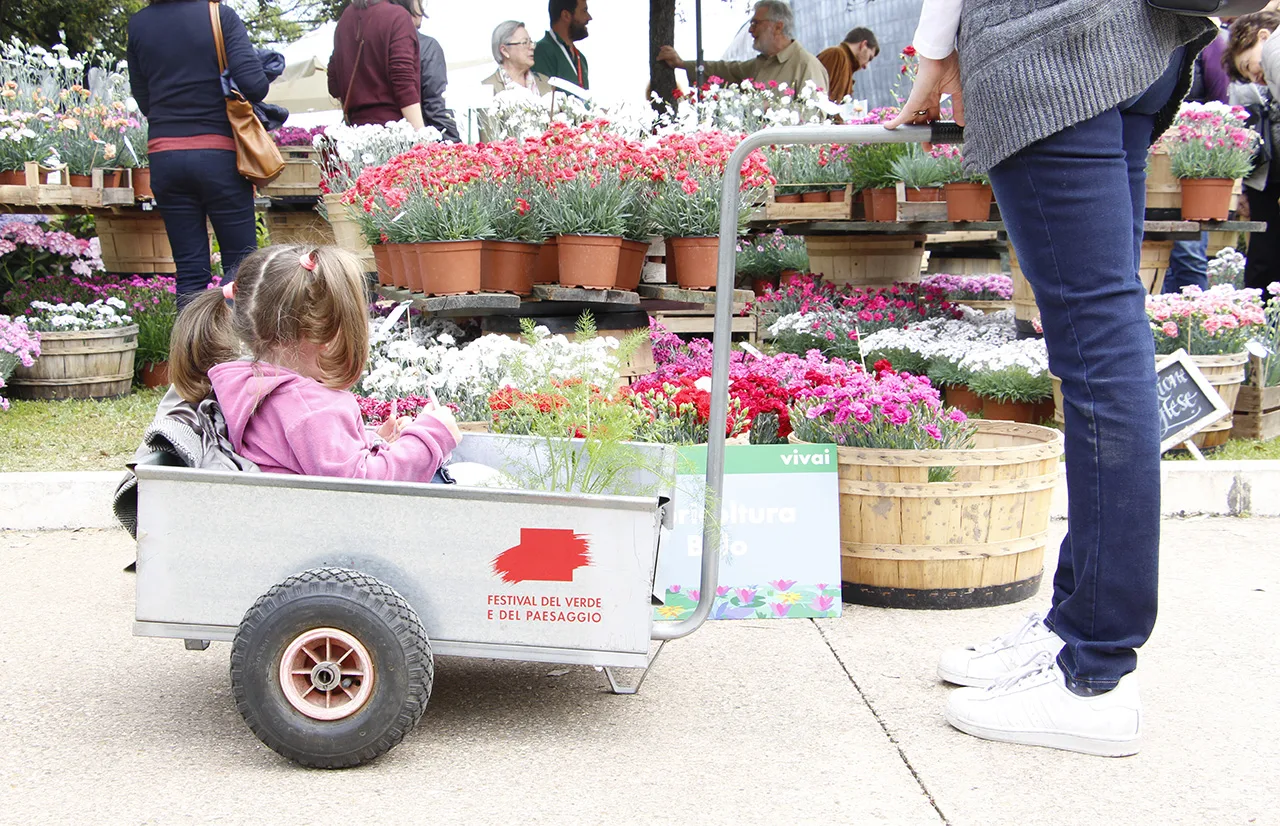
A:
173, 69
374, 70
435, 75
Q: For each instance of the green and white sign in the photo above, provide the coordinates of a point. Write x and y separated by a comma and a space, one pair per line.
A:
780, 535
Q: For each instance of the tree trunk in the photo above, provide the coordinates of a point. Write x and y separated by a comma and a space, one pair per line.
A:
662, 32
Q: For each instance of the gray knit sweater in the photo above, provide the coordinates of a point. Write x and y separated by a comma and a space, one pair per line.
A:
1031, 68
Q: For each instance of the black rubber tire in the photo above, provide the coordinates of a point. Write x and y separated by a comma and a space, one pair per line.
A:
364, 607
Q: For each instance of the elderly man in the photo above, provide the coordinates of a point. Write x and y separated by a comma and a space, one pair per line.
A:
781, 58
853, 54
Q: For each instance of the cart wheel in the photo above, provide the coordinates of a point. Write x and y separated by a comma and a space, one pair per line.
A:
331, 668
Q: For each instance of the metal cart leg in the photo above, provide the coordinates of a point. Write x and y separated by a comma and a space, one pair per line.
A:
618, 688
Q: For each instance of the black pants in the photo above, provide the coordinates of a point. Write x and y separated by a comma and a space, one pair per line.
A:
193, 186
1263, 265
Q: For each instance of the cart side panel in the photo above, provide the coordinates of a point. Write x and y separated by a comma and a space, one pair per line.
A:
479, 566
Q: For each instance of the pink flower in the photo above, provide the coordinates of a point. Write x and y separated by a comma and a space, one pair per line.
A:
823, 604
779, 609
1170, 329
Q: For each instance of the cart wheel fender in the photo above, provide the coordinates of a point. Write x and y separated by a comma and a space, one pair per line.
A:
331, 668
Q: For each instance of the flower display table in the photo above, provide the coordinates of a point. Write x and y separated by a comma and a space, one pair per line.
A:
37, 191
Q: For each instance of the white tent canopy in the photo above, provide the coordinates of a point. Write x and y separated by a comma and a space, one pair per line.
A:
617, 47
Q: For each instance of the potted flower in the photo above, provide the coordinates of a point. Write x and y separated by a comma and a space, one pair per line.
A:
509, 260
636, 232
30, 250
1012, 380
1209, 148
154, 306
87, 351
19, 347
445, 227
993, 292
921, 173
688, 171
968, 194
921, 519
870, 168
765, 258
587, 213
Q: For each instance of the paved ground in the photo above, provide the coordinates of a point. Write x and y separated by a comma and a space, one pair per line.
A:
833, 721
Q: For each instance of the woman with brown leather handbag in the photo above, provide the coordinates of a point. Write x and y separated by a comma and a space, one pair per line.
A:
175, 74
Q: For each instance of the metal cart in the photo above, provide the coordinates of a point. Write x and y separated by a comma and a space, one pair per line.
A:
336, 593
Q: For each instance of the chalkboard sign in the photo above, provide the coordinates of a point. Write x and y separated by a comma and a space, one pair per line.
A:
1188, 403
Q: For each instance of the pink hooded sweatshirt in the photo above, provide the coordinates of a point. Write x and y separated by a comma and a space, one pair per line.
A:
289, 423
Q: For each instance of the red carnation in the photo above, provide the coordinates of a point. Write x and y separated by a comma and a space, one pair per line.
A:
909, 51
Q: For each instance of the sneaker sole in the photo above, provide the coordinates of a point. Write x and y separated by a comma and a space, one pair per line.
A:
956, 678
1050, 739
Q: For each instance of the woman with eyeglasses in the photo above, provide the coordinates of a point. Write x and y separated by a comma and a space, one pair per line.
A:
513, 52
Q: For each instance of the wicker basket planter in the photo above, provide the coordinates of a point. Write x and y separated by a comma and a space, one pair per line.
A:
85, 364
977, 540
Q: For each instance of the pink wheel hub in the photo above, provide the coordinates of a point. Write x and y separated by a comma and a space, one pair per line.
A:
326, 674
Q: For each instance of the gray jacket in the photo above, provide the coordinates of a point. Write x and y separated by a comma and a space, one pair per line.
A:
435, 77
1255, 97
1031, 68
181, 434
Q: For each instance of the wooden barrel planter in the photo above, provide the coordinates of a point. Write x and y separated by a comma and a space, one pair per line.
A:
867, 262
85, 364
1151, 269
975, 541
134, 243
1224, 373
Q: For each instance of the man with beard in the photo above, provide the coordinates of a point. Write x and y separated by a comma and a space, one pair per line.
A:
557, 54
859, 48
781, 59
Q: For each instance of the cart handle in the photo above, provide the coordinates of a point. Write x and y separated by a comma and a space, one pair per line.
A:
722, 344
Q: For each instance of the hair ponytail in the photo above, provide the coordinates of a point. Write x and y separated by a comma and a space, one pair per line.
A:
202, 338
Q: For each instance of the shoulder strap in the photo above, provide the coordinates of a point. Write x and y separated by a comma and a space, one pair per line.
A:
218, 42
354, 66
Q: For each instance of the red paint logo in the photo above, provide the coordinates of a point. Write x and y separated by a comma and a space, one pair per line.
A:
544, 555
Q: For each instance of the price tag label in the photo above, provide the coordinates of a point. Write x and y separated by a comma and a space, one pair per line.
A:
1257, 348
400, 310
753, 351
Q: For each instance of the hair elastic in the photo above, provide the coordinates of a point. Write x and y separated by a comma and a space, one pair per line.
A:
308, 261
229, 291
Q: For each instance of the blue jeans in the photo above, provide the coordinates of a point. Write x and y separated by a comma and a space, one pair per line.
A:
193, 186
1073, 205
1188, 265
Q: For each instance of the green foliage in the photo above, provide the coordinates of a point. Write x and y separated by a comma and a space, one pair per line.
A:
585, 206
946, 373
870, 166
1012, 384
458, 214
764, 430
918, 169
902, 360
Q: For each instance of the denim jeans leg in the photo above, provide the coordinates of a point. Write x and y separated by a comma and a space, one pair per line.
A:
1188, 265
228, 199
1073, 206
179, 196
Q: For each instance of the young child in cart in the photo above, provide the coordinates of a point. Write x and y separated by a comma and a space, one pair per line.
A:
280, 349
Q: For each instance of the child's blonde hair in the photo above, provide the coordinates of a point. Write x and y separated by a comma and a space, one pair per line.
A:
284, 295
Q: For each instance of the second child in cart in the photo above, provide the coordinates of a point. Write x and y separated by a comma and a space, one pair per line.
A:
281, 350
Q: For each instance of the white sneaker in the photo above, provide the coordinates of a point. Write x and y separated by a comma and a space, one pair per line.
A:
1034, 707
981, 665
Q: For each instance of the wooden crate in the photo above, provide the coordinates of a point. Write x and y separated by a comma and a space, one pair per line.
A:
1163, 190
346, 232
873, 261
300, 177
821, 211
299, 227
1257, 408
39, 192
702, 322
134, 242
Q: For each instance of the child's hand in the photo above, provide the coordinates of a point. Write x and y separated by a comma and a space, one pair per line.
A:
445, 416
391, 429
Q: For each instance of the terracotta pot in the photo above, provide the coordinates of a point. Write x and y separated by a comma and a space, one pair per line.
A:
784, 277
928, 194
968, 202
404, 267
669, 260
760, 286
880, 204
382, 260
589, 261
631, 264
815, 197
788, 198
110, 178
696, 262
548, 271
447, 267
142, 183
963, 398
508, 267
1024, 412
155, 374
12, 178
836, 196
82, 181
1206, 199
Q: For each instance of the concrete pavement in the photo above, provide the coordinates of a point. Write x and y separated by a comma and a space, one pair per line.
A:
834, 721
